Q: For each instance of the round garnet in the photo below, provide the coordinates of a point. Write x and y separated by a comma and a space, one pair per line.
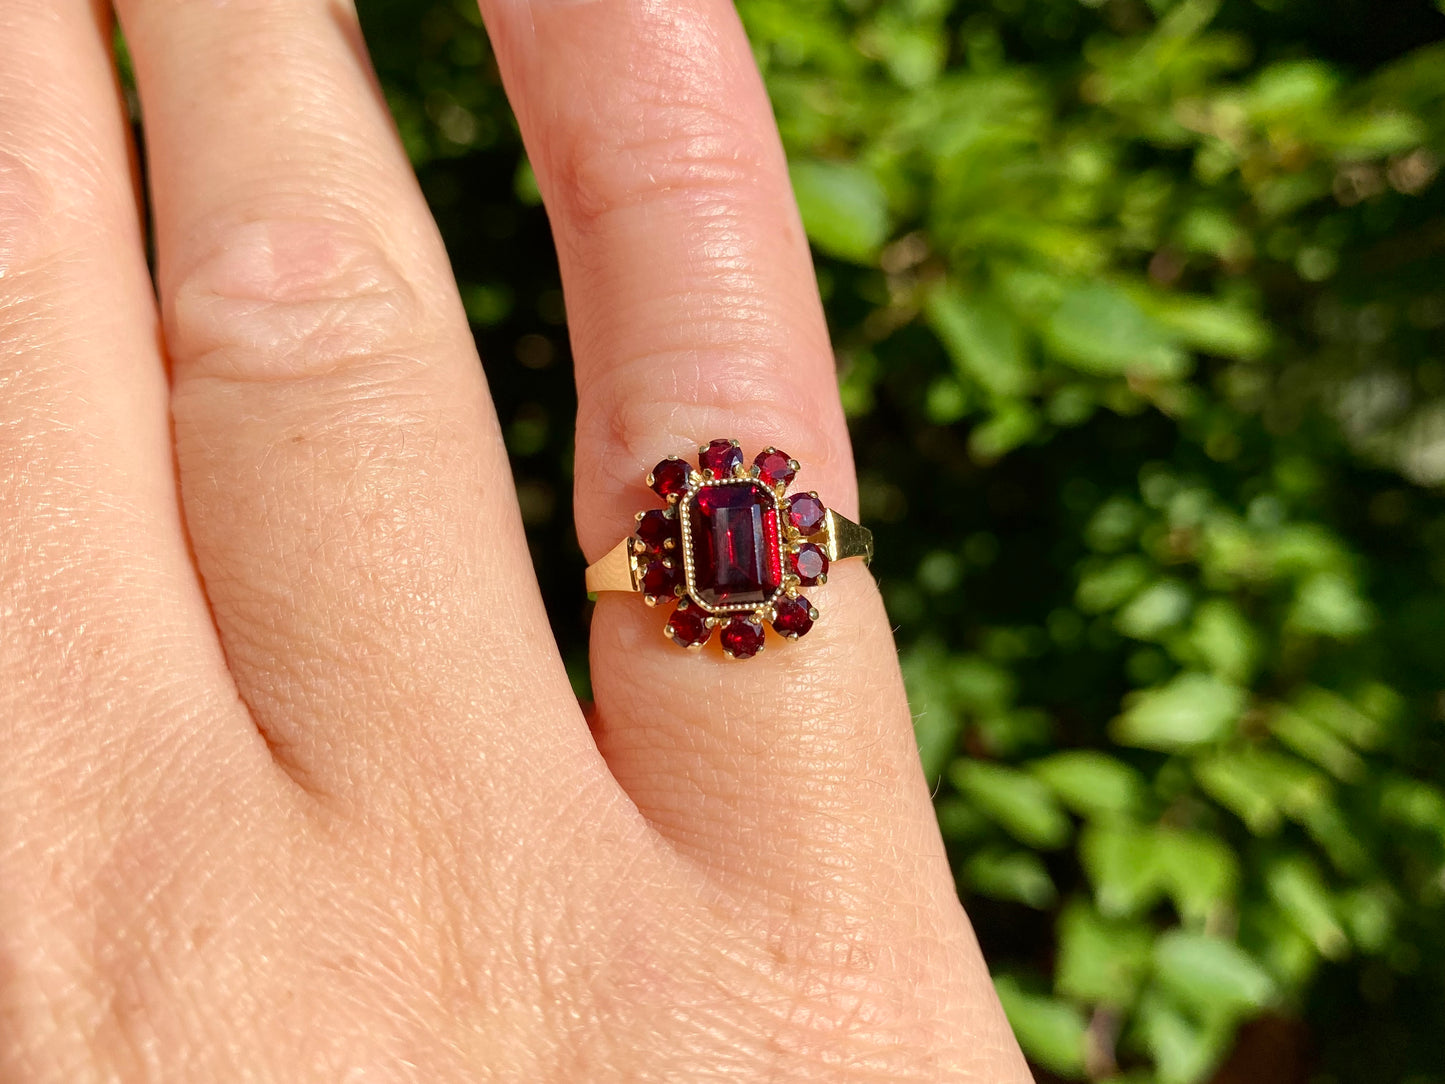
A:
742, 637
806, 512
688, 626
793, 617
669, 479
775, 468
660, 578
810, 563
656, 528
720, 457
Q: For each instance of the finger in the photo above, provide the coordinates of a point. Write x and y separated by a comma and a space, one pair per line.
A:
341, 468
793, 776
694, 315
96, 587
111, 680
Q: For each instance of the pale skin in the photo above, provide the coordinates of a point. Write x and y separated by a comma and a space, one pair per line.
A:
293, 786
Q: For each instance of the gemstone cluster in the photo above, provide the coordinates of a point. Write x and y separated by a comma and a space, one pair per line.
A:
731, 549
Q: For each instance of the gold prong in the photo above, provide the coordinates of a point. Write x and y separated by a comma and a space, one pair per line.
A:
822, 578
795, 464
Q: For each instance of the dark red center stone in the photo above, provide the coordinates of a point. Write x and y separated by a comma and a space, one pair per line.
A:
736, 556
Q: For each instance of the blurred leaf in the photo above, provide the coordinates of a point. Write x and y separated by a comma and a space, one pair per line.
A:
1011, 425
1192, 709
1214, 327
1212, 976
1121, 861
1260, 786
1296, 887
1199, 871
1184, 1049
1339, 715
1100, 961
1221, 640
1329, 604
1099, 329
844, 208
1155, 610
1015, 876
1050, 1031
1316, 743
1017, 802
1092, 783
983, 339
1105, 586
935, 725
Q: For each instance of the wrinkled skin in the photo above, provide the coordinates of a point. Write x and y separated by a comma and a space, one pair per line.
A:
292, 783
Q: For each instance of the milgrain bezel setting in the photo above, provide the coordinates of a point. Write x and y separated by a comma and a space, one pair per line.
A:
776, 542
660, 561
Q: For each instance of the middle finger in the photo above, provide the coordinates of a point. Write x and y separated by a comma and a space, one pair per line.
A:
341, 467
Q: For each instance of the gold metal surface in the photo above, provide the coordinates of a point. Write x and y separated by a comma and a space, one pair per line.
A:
615, 572
843, 539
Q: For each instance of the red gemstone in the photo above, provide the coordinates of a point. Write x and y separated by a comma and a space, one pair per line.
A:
659, 579
720, 457
775, 468
742, 637
794, 617
670, 478
810, 563
806, 512
688, 626
736, 548
656, 528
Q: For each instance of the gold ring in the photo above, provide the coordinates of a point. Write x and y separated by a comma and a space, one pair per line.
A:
731, 549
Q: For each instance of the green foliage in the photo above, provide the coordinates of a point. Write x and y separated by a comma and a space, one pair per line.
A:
1139, 310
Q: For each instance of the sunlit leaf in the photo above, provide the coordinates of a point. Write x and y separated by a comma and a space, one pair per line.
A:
1192, 709
1100, 960
1050, 1031
1022, 805
1211, 975
1012, 875
1099, 329
844, 208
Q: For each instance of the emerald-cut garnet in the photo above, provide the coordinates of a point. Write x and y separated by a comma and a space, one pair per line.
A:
736, 549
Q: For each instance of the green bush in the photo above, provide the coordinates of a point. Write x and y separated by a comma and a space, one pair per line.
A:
1138, 309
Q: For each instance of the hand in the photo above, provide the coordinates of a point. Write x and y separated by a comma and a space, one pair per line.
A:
292, 783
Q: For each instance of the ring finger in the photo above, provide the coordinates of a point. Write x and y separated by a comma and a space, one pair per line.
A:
694, 315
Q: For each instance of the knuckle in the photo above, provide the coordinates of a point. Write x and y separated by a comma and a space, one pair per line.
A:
676, 141
667, 404
640, 415
27, 230
284, 299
